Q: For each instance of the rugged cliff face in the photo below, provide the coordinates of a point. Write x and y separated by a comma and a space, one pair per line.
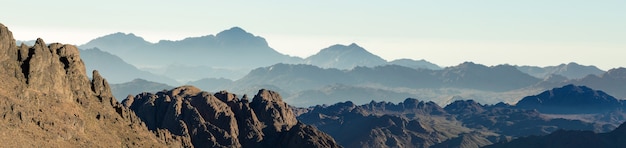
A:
46, 99
224, 120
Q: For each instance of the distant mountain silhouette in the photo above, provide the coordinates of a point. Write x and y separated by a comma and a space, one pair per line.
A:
612, 82
119, 43
571, 99
417, 64
468, 75
495, 78
571, 70
331, 94
211, 84
570, 139
29, 42
185, 73
293, 77
116, 69
344, 57
232, 48
137, 86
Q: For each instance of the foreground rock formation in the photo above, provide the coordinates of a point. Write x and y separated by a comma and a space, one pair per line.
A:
224, 120
47, 100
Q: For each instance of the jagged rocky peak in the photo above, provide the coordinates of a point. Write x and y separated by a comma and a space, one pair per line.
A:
48, 100
464, 106
225, 120
280, 116
235, 33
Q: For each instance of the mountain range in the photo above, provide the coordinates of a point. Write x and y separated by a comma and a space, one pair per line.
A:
467, 78
463, 123
49, 100
571, 70
348, 65
229, 54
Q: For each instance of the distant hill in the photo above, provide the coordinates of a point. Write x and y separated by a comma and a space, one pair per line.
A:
570, 139
351, 56
116, 69
211, 84
612, 82
344, 57
571, 70
339, 92
137, 86
293, 77
117, 43
184, 73
29, 42
478, 76
571, 99
417, 64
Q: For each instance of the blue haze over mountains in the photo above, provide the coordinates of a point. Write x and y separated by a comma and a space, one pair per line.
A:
549, 104
241, 62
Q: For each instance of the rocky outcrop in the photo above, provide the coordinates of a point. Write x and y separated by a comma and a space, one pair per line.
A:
411, 123
224, 120
47, 100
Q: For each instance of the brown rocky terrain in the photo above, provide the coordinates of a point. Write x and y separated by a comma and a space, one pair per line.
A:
411, 123
224, 120
47, 100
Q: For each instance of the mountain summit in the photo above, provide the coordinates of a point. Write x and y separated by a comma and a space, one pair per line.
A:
345, 57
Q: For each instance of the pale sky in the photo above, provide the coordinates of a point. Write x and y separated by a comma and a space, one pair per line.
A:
445, 32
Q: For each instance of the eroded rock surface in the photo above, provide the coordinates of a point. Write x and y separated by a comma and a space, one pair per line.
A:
47, 100
224, 120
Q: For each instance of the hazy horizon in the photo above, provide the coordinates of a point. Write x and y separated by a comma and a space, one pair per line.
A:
446, 33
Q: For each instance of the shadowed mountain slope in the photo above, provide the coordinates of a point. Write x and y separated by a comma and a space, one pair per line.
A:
570, 139
571, 99
224, 120
47, 100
